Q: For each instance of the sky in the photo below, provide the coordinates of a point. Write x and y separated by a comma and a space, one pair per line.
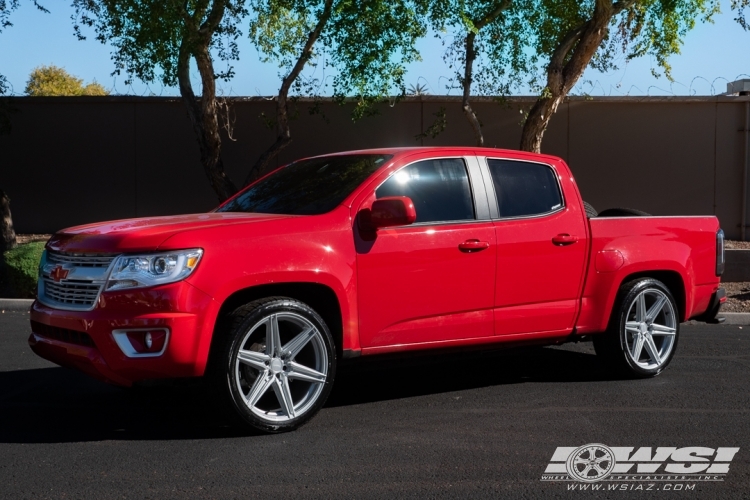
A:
712, 55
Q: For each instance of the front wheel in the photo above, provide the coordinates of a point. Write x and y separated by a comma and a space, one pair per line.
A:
278, 363
642, 336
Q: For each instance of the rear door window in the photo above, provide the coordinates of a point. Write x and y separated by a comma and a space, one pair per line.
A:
439, 189
524, 189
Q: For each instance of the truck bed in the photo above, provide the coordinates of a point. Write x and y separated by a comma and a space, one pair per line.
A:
679, 251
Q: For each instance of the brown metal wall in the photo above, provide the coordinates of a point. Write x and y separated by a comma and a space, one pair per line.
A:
71, 161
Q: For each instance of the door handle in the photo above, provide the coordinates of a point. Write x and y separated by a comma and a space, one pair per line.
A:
563, 239
469, 246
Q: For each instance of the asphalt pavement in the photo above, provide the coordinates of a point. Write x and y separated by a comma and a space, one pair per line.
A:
476, 425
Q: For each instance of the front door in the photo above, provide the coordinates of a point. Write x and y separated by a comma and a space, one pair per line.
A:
434, 280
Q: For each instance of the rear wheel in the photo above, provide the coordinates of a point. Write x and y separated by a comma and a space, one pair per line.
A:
642, 336
277, 364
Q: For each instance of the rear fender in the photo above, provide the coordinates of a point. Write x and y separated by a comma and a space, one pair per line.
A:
600, 294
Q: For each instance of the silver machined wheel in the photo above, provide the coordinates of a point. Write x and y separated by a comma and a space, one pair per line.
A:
650, 329
281, 367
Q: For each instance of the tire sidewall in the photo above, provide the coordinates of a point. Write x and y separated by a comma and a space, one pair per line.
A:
625, 304
238, 333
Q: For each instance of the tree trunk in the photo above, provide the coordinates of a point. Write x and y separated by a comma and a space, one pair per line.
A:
537, 122
203, 117
469, 57
468, 68
283, 131
7, 233
567, 64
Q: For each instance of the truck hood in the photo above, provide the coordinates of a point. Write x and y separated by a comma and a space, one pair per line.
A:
144, 234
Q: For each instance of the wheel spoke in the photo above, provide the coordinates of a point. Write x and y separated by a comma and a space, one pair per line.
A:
284, 395
656, 308
640, 308
293, 347
273, 341
253, 359
302, 372
637, 348
261, 385
653, 352
662, 330
632, 326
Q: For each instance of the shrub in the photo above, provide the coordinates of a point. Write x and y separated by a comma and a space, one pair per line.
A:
54, 81
19, 268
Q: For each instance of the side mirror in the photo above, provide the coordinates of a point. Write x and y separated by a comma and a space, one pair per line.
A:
388, 212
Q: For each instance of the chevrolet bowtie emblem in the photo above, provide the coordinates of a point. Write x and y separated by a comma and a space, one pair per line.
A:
58, 274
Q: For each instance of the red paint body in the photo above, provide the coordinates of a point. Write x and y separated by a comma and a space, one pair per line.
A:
416, 286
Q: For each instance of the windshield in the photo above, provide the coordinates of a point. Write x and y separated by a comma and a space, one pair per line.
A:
307, 187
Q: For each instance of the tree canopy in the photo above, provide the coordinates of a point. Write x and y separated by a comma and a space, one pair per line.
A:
739, 6
497, 46
54, 81
486, 47
570, 35
367, 42
146, 35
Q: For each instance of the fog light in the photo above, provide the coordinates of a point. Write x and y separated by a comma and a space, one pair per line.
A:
142, 342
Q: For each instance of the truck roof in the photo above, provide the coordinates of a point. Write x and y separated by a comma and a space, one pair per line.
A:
470, 150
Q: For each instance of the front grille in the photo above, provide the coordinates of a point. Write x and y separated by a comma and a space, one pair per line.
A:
80, 260
71, 293
62, 334
84, 278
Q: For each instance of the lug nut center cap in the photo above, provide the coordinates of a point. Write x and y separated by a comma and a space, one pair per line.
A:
276, 365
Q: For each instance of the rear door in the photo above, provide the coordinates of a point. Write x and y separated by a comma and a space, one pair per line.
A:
541, 247
434, 280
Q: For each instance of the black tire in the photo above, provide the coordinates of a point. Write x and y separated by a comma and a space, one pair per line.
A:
623, 212
616, 345
248, 329
590, 211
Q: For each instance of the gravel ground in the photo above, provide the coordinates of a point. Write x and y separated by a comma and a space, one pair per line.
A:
738, 294
737, 245
738, 297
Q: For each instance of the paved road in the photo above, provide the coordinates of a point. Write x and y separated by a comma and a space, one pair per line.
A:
468, 426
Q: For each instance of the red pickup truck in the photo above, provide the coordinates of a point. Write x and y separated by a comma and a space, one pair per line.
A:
370, 252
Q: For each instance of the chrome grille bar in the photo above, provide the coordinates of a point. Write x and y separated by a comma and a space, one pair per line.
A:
80, 260
88, 274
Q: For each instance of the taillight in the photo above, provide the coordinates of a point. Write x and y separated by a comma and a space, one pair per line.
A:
719, 252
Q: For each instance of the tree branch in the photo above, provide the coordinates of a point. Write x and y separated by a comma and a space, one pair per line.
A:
491, 16
469, 58
283, 132
214, 17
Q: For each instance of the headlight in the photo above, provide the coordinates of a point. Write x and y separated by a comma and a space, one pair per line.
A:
137, 271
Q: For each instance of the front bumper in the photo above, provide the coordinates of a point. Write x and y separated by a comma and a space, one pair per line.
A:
84, 339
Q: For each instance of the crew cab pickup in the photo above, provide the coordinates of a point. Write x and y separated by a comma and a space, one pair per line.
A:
370, 252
